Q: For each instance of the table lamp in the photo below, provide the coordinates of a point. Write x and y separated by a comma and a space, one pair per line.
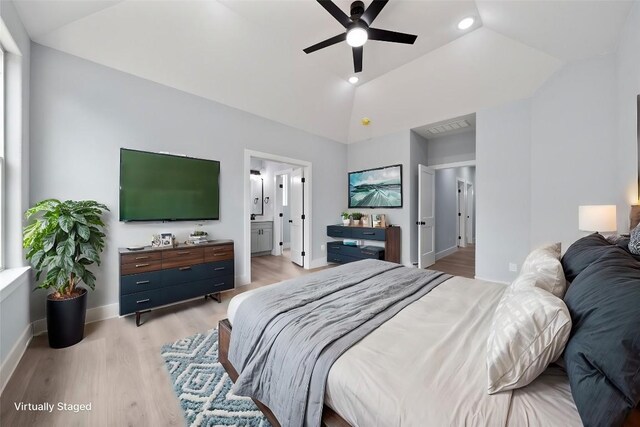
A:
600, 218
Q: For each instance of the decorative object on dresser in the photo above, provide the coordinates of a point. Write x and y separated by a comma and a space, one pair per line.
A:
155, 277
345, 218
261, 238
63, 240
356, 217
341, 253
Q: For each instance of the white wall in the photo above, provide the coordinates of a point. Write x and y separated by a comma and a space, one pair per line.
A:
385, 151
573, 148
82, 113
503, 185
628, 87
459, 147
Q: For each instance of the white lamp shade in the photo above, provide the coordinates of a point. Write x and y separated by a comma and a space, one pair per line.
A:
597, 218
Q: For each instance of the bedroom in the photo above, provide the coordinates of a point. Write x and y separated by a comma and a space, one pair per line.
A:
554, 87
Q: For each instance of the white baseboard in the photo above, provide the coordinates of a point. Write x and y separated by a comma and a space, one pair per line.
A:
95, 314
492, 280
242, 280
13, 358
318, 262
446, 252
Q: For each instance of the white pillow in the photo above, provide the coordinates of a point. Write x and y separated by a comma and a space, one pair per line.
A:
543, 263
529, 331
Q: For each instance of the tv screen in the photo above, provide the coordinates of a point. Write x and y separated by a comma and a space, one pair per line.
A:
163, 187
376, 188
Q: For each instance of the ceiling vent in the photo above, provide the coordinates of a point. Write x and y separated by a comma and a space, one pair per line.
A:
448, 127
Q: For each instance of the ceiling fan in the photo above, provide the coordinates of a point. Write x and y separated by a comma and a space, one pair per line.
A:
359, 30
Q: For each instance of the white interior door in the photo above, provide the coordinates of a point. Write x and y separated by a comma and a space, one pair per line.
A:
461, 202
297, 210
469, 212
277, 217
426, 216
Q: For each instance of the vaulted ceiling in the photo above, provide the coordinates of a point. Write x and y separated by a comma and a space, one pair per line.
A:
248, 54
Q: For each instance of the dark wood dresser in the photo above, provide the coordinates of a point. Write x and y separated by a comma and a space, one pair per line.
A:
339, 253
154, 277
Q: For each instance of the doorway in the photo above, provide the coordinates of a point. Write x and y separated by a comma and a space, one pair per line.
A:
264, 203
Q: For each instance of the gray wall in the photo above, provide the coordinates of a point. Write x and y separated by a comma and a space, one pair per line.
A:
503, 183
459, 147
384, 151
446, 206
82, 113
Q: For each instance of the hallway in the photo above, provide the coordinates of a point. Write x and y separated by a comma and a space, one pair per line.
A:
461, 263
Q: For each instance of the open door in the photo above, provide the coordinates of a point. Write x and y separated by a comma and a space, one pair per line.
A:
296, 199
469, 213
461, 204
426, 216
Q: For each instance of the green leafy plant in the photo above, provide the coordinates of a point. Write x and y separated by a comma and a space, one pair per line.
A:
345, 215
357, 216
62, 241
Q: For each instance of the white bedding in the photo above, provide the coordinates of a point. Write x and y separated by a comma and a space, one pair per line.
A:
426, 367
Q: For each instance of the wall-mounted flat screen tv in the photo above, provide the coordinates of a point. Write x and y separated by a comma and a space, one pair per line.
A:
376, 188
163, 187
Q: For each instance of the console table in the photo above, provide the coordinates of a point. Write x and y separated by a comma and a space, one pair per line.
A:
340, 253
154, 277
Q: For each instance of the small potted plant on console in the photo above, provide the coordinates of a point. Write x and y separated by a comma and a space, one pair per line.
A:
62, 241
345, 218
356, 216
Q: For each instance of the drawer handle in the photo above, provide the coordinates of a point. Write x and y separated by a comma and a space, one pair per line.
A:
368, 233
184, 268
143, 282
142, 265
142, 257
183, 252
143, 301
218, 268
218, 284
220, 254
368, 253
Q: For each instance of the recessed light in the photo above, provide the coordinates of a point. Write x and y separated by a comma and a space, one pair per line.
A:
353, 80
466, 23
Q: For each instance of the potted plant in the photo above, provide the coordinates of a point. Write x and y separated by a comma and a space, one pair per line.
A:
345, 218
356, 216
62, 241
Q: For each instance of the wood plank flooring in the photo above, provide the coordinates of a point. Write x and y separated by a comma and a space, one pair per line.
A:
118, 367
460, 263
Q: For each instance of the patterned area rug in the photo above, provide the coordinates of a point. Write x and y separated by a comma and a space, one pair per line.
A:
203, 386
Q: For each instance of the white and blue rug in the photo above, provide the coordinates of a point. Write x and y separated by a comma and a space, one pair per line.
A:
203, 386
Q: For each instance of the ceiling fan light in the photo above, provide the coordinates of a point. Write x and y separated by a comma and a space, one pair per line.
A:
357, 37
353, 80
466, 23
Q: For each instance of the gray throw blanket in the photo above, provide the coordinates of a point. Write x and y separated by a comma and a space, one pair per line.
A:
285, 339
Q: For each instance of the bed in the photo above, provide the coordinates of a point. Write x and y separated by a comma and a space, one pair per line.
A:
426, 365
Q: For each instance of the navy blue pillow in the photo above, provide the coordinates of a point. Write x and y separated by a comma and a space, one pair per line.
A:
602, 356
582, 253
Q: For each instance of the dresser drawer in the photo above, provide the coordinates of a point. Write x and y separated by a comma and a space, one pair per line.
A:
338, 248
140, 257
141, 301
218, 253
219, 269
140, 282
368, 233
340, 258
339, 231
196, 289
374, 252
140, 267
187, 261
183, 253
185, 274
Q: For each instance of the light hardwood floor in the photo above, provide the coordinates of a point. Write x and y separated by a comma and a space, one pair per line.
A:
460, 263
118, 367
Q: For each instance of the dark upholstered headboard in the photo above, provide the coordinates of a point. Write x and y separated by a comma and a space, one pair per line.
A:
635, 216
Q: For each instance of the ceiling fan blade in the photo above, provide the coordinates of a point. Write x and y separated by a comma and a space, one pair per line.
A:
357, 59
373, 10
326, 43
336, 12
390, 36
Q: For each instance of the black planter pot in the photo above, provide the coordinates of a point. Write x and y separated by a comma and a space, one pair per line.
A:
65, 320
